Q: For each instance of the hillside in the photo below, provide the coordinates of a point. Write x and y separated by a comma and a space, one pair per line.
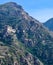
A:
24, 40
49, 24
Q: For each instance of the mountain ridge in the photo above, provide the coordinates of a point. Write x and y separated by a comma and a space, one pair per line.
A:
30, 39
49, 24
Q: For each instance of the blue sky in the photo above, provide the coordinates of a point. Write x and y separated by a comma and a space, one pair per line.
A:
39, 9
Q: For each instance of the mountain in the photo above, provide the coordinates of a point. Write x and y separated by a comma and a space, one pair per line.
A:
49, 24
23, 39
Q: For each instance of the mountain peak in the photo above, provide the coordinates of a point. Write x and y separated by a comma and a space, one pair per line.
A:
49, 24
12, 4
50, 20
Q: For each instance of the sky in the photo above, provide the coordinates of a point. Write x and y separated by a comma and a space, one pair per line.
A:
41, 10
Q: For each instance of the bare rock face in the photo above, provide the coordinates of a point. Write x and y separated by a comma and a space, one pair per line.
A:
26, 40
